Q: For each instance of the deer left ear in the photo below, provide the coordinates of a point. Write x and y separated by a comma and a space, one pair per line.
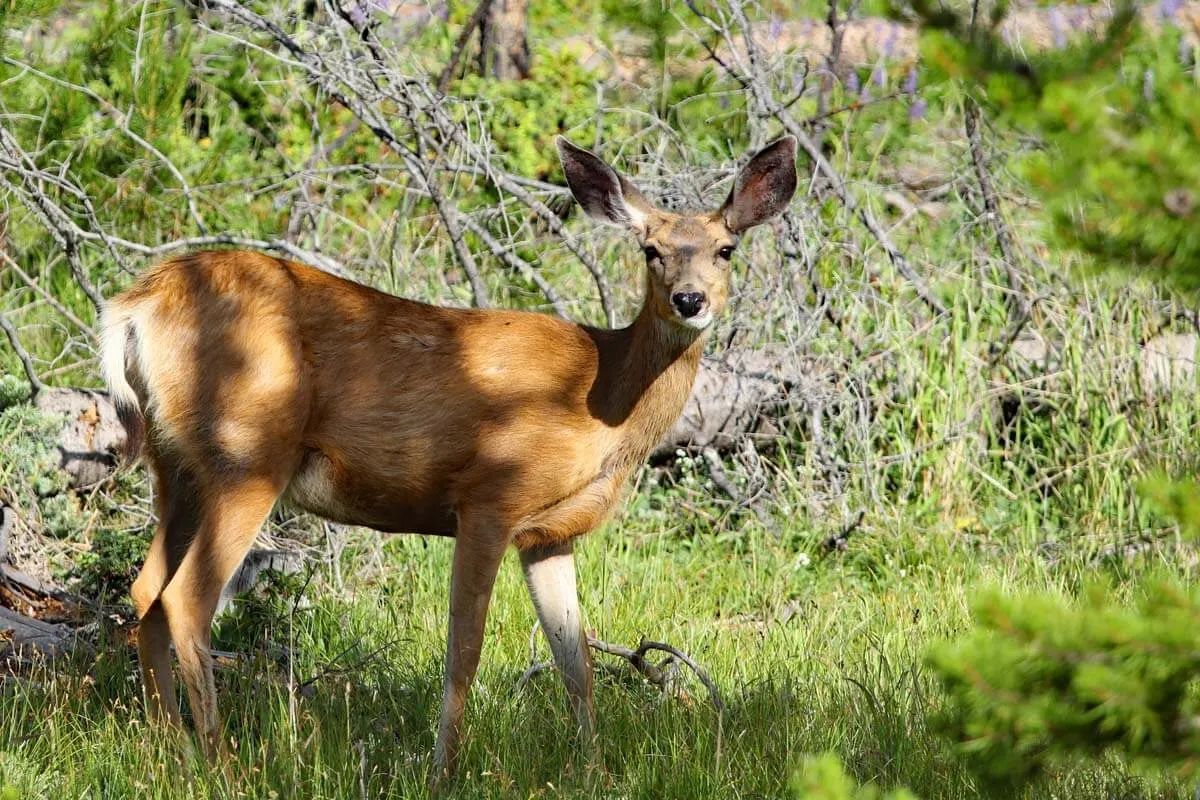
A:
764, 187
604, 195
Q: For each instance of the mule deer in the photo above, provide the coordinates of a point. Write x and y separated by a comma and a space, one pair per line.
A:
246, 379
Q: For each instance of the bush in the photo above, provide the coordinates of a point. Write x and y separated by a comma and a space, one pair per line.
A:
824, 778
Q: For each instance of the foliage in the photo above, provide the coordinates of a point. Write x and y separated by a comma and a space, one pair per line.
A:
1121, 146
517, 111
1041, 676
823, 778
110, 564
254, 617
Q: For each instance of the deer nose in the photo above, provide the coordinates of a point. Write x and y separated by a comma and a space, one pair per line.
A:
688, 304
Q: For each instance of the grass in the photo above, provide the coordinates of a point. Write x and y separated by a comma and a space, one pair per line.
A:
816, 656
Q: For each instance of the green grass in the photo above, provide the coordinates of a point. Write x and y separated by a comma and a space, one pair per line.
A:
811, 658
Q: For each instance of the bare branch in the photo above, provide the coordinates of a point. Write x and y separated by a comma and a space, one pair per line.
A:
460, 45
64, 230
14, 341
42, 293
1017, 303
772, 108
123, 123
654, 673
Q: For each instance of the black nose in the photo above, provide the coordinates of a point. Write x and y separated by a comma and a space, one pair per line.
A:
689, 304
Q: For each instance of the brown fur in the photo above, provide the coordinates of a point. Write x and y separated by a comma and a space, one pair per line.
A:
262, 379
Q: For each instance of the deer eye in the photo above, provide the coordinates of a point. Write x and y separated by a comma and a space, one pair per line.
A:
651, 253
726, 252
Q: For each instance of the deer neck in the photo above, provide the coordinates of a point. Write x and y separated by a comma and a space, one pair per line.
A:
645, 378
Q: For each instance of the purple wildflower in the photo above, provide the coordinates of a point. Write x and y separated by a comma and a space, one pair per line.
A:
1169, 8
1056, 28
879, 76
917, 110
889, 44
852, 83
910, 81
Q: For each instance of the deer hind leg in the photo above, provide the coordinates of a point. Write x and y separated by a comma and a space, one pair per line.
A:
550, 577
176, 527
154, 637
478, 550
230, 515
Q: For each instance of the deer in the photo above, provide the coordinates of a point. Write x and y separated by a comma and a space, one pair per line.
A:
245, 380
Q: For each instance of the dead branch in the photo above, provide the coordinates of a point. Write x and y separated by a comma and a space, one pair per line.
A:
358, 98
837, 541
1018, 305
42, 293
60, 225
770, 107
655, 672
460, 45
14, 342
25, 637
123, 123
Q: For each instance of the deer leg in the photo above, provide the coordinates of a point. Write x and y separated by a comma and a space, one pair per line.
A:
477, 553
550, 577
173, 491
230, 519
153, 636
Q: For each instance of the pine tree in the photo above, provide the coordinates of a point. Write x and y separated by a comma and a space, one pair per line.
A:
1044, 678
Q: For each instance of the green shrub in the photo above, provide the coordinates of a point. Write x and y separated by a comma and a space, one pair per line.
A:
823, 778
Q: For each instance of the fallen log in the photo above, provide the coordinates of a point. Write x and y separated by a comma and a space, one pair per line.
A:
23, 637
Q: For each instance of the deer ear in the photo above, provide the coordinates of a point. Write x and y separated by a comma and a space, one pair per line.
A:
764, 187
604, 195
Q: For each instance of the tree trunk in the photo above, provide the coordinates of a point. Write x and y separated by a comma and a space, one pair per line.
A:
504, 42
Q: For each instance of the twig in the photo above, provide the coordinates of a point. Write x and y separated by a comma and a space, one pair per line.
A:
716, 471
533, 669
460, 45
314, 66
1017, 305
14, 341
123, 123
854, 106
49, 298
838, 540
353, 99
653, 673
55, 219
517, 263
772, 108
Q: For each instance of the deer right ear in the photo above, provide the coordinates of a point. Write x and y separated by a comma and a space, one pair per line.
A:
764, 187
604, 195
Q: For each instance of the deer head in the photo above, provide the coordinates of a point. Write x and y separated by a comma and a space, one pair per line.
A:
688, 254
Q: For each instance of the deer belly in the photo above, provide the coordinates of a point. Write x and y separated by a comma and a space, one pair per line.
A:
369, 501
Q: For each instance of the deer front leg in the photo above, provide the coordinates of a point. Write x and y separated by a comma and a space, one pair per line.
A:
477, 554
550, 576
